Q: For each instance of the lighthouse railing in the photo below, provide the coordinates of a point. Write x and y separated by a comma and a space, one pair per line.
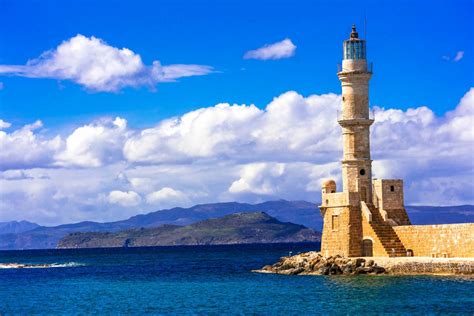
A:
341, 117
369, 69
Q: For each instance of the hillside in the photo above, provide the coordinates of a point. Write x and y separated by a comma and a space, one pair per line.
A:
15, 227
239, 228
298, 212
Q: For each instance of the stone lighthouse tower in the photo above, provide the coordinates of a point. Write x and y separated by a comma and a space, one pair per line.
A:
354, 119
360, 219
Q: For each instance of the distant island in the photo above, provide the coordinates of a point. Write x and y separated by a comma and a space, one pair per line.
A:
239, 228
26, 235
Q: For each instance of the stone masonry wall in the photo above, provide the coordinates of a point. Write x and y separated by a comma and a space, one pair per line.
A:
451, 240
335, 238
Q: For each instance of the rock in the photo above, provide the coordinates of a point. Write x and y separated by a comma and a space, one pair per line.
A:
378, 270
285, 266
324, 270
359, 261
315, 263
347, 269
368, 269
334, 270
296, 271
268, 268
360, 270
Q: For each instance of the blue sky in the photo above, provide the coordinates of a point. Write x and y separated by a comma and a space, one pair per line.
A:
406, 41
113, 108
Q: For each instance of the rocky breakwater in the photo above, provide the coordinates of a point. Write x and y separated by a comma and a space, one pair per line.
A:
313, 263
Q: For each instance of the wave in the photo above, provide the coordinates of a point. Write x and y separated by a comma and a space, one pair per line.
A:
40, 265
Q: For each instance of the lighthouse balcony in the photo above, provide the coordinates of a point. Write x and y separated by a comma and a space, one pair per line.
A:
355, 67
344, 118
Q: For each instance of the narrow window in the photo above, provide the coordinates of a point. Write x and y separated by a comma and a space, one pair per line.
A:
392, 188
343, 99
335, 222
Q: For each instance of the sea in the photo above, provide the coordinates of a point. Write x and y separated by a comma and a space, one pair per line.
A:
210, 280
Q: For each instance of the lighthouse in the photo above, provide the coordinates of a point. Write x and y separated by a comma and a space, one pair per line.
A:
354, 119
359, 220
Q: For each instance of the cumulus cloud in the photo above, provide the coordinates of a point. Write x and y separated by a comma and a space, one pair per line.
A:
228, 152
125, 199
278, 50
95, 144
290, 126
167, 196
15, 175
4, 125
258, 178
98, 66
23, 148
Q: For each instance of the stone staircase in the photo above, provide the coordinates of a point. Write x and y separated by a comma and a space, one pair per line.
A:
387, 236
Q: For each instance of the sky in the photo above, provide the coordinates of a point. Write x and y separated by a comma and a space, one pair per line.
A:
110, 109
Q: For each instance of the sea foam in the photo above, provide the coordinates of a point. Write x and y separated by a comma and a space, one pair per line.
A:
40, 265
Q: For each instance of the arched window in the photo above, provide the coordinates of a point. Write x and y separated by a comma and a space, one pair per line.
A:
362, 172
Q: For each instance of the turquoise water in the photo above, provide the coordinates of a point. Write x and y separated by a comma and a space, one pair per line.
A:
212, 281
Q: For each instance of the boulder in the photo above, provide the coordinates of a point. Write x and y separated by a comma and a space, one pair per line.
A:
360, 270
359, 262
334, 270
324, 270
378, 270
347, 269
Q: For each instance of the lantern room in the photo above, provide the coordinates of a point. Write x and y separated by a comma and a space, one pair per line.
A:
354, 47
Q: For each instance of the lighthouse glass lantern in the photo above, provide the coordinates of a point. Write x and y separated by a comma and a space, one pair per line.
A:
354, 48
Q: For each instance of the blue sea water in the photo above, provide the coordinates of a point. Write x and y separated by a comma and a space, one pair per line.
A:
210, 280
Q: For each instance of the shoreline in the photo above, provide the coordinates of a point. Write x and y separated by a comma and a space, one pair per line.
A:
313, 263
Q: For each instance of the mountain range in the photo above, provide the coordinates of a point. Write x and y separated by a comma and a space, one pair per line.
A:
298, 212
237, 228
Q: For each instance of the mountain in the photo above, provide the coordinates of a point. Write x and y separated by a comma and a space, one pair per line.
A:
238, 228
422, 215
15, 227
298, 212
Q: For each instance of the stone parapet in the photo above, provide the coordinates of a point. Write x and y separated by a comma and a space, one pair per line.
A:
448, 240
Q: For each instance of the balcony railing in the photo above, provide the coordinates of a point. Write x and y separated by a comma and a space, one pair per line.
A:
341, 69
340, 116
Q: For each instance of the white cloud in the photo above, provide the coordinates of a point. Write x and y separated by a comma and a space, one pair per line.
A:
168, 196
291, 127
279, 50
14, 174
228, 152
92, 63
23, 148
258, 178
94, 144
4, 125
126, 199
459, 56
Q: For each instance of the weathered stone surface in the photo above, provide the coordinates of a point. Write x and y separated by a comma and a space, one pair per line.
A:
368, 218
313, 263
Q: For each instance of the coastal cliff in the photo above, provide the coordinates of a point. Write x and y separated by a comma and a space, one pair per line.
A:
239, 228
